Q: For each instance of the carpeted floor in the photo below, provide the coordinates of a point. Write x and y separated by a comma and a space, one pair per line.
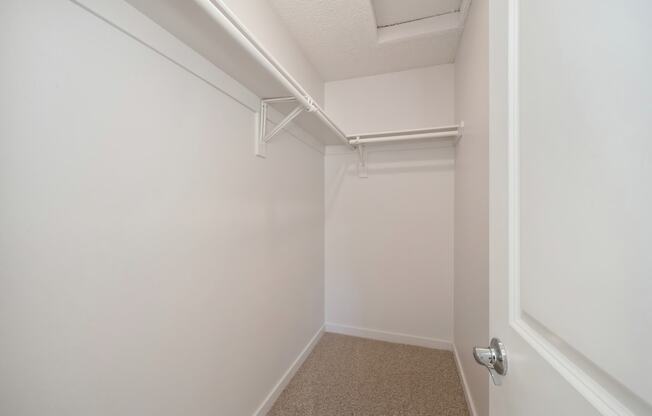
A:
350, 376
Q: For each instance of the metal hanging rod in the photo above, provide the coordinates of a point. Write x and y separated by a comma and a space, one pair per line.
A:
359, 141
227, 19
404, 137
405, 132
401, 135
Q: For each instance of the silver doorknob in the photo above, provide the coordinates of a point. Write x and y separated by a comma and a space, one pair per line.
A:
494, 358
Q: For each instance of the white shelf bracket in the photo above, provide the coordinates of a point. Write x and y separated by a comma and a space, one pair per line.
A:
460, 133
260, 146
262, 137
362, 158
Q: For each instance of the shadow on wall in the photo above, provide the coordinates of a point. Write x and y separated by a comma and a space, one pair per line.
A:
386, 160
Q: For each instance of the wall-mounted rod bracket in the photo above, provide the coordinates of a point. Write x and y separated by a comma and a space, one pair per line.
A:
362, 157
297, 110
262, 137
460, 133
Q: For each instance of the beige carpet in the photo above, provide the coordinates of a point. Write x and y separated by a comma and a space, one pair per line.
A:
354, 376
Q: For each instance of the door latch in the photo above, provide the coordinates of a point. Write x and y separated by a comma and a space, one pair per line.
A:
494, 358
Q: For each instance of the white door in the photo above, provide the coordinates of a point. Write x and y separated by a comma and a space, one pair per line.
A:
571, 205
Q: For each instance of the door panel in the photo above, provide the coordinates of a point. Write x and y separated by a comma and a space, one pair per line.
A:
571, 190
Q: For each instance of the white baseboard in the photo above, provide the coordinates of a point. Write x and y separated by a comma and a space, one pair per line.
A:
267, 404
395, 337
465, 386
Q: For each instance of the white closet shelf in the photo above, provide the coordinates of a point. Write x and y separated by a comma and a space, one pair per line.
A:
361, 140
214, 31
211, 29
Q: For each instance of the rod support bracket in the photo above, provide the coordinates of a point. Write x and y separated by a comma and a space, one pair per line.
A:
312, 107
362, 158
262, 136
460, 132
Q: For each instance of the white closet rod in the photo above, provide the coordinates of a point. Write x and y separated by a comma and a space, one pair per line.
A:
405, 132
356, 141
227, 19
400, 135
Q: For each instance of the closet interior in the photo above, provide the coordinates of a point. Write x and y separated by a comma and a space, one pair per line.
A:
236, 210
325, 207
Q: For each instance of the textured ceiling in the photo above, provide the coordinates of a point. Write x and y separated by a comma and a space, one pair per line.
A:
342, 38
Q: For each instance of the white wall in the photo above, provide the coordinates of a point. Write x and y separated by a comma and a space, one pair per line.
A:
389, 238
389, 242
150, 263
472, 202
411, 99
263, 22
